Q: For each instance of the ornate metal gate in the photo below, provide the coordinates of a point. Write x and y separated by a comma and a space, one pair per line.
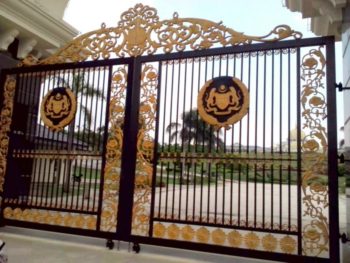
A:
180, 132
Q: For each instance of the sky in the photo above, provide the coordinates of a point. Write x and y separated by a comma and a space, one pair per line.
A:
253, 17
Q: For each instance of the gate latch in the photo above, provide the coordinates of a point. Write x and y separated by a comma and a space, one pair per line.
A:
340, 87
344, 238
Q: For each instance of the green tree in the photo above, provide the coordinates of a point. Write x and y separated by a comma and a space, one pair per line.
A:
194, 129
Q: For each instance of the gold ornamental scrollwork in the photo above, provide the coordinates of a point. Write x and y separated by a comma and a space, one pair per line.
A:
140, 32
114, 150
5, 124
315, 230
145, 149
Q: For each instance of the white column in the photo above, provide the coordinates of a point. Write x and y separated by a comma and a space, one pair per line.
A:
7, 37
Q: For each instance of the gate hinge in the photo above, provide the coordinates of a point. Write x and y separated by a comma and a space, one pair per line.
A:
340, 87
344, 238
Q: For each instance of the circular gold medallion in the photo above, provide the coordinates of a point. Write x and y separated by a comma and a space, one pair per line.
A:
223, 101
58, 108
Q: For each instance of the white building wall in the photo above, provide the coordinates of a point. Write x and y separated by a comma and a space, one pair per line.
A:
346, 95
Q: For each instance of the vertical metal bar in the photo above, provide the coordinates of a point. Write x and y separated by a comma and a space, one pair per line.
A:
299, 200
34, 140
170, 132
102, 148
195, 161
89, 167
332, 153
171, 107
164, 105
280, 134
163, 143
272, 131
182, 158
289, 166
160, 187
108, 68
201, 184
66, 158
47, 141
264, 142
127, 179
212, 139
189, 142
209, 149
155, 151
96, 146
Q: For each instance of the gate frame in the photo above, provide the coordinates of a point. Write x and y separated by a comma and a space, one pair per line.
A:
125, 204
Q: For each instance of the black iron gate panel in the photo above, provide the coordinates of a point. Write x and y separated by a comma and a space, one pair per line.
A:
229, 150
258, 184
63, 162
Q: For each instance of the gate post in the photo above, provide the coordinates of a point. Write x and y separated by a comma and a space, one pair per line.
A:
332, 154
128, 165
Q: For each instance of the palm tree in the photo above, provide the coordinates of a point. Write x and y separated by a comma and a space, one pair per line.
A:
194, 130
83, 90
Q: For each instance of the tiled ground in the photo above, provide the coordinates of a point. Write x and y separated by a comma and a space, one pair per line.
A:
32, 246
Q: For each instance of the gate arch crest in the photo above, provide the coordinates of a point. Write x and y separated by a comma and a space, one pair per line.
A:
140, 32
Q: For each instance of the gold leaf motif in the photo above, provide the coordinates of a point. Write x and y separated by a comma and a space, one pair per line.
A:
113, 152
234, 238
288, 244
159, 230
145, 147
187, 233
269, 242
202, 235
251, 240
218, 236
5, 124
51, 217
315, 237
173, 231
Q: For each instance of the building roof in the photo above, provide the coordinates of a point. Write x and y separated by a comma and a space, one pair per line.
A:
37, 25
326, 15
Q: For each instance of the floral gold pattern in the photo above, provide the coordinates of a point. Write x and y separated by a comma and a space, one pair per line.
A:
159, 230
234, 238
230, 238
145, 148
288, 245
218, 236
140, 32
173, 231
315, 230
52, 218
251, 240
5, 124
202, 235
187, 233
269, 242
113, 150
